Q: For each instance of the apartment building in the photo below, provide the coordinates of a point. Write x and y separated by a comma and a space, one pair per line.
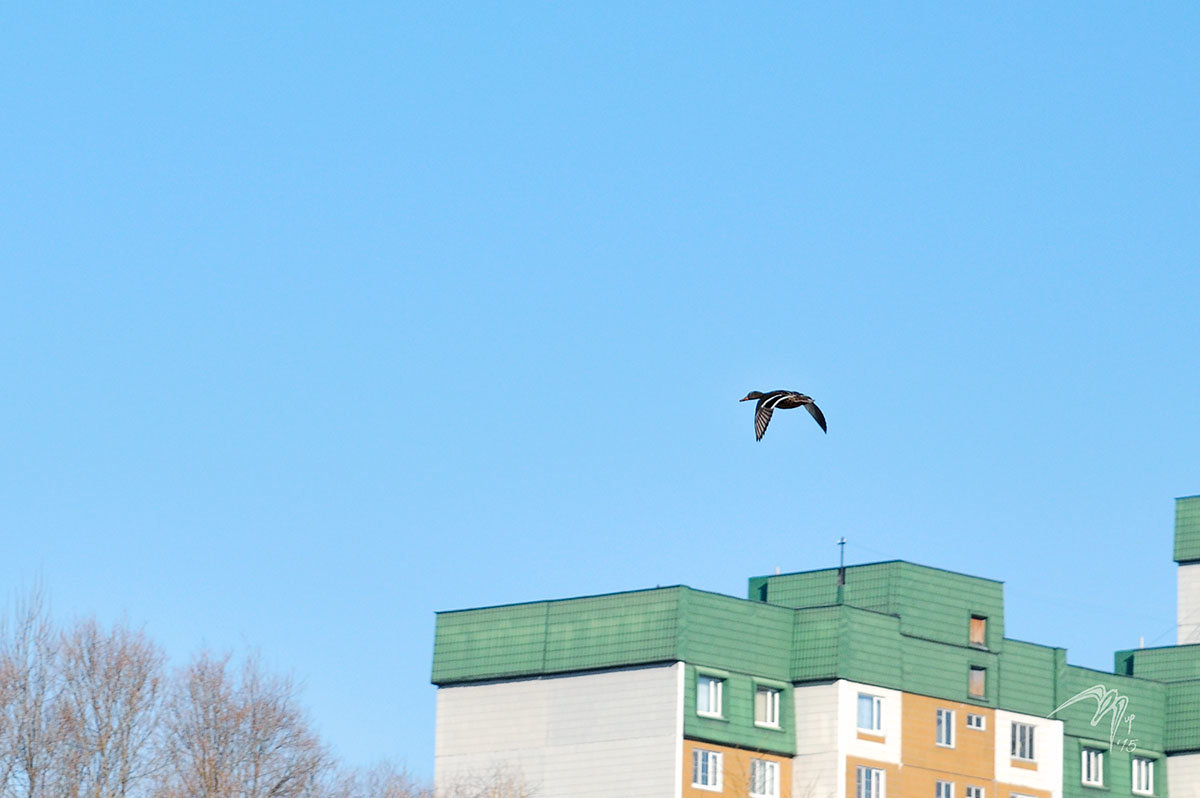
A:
885, 680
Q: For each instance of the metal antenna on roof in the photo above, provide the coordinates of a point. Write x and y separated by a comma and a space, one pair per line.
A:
841, 583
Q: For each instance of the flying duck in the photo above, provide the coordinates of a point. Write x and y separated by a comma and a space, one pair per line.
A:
784, 400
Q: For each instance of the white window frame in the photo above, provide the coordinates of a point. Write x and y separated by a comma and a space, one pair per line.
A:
980, 721
943, 789
1146, 776
876, 713
874, 786
1091, 767
712, 688
769, 778
944, 723
1023, 742
974, 791
774, 697
700, 757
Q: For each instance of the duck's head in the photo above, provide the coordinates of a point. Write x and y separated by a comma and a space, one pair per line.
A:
751, 395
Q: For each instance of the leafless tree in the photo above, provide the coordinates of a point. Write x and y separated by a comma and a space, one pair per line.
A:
241, 737
30, 729
88, 713
111, 682
499, 781
385, 780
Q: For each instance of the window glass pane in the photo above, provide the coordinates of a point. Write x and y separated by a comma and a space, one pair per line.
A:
762, 777
708, 695
1143, 775
945, 727
870, 710
766, 706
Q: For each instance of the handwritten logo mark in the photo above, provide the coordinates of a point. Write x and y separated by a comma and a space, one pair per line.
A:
1108, 702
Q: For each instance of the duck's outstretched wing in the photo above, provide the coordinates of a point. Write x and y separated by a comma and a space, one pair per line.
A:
762, 415
811, 407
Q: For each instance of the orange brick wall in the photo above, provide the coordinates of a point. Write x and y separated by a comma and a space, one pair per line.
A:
736, 775
973, 754
893, 784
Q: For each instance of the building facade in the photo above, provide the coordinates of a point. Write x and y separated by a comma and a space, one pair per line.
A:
886, 680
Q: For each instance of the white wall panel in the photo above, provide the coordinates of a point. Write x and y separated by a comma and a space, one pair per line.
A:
1187, 613
1048, 750
597, 734
1183, 776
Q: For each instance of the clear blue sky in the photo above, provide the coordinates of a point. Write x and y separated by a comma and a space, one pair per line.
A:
315, 320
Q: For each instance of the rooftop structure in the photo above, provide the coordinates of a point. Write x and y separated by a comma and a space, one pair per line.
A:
874, 681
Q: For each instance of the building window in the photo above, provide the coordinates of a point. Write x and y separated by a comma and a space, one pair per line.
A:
1092, 767
870, 713
975, 722
868, 783
706, 769
766, 707
977, 684
1143, 775
764, 778
978, 635
944, 789
1022, 742
945, 728
708, 696
974, 792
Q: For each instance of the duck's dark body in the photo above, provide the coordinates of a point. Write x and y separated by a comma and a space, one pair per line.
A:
783, 400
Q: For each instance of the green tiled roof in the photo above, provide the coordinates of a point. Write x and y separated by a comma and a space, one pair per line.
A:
1028, 677
1187, 529
662, 625
930, 602
1165, 664
816, 638
1182, 719
900, 626
557, 636
1179, 668
1145, 702
736, 726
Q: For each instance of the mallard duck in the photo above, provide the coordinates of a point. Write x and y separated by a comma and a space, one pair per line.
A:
784, 400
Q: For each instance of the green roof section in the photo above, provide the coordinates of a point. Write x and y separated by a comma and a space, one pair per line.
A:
736, 725
1089, 701
1187, 529
616, 630
1164, 664
547, 637
1178, 667
898, 625
1028, 678
931, 603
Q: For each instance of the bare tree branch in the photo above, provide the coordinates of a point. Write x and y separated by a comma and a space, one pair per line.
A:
110, 688
245, 737
31, 725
